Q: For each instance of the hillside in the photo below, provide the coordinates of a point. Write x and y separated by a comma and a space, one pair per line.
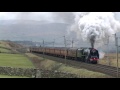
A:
9, 47
14, 30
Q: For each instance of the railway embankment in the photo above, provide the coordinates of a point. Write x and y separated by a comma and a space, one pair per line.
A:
69, 71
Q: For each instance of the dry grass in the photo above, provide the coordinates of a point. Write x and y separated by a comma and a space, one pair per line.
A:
33, 56
110, 59
82, 72
4, 44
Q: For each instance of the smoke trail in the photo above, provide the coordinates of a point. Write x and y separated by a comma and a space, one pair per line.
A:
102, 54
95, 26
92, 40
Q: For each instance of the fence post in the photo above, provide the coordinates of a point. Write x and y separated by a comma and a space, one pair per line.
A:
38, 74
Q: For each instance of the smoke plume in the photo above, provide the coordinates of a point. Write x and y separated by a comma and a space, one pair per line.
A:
95, 27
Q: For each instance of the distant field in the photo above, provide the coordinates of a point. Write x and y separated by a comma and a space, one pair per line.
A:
15, 60
6, 76
110, 60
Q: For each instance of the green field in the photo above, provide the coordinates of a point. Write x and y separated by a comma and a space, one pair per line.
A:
15, 60
6, 76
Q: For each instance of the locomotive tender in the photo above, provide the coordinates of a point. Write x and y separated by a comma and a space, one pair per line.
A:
88, 55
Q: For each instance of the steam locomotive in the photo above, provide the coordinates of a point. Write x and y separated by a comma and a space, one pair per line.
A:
88, 55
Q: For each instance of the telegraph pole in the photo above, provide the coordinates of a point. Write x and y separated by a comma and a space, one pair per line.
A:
116, 42
117, 56
65, 48
72, 43
53, 42
43, 49
108, 50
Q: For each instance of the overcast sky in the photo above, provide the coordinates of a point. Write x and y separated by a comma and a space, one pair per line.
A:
39, 16
23, 15
66, 17
46, 17
51, 17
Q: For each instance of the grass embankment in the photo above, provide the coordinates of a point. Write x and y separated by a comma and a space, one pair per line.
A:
2, 50
52, 65
110, 59
9, 47
6, 76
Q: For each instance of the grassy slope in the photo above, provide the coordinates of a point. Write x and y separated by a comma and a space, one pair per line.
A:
4, 47
111, 58
4, 50
15, 60
4, 44
52, 65
9, 47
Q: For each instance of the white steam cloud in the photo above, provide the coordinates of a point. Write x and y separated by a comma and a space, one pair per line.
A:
101, 54
95, 27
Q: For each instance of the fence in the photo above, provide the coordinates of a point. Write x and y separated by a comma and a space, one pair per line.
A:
35, 73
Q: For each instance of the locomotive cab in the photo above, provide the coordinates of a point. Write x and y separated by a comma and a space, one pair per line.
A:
80, 55
83, 53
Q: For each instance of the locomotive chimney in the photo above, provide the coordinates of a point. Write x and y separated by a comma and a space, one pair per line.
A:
92, 41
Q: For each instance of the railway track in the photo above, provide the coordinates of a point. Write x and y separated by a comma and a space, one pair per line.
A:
112, 71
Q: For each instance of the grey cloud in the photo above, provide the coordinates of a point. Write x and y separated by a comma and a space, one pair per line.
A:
59, 17
67, 17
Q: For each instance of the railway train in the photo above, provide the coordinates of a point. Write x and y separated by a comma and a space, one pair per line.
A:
87, 55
